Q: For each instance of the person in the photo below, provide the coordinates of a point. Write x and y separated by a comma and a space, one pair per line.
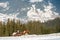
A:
14, 33
18, 31
26, 32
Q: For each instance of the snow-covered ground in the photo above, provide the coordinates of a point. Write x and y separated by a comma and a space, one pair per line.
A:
55, 36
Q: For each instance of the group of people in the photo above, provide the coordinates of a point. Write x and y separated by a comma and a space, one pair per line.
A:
18, 33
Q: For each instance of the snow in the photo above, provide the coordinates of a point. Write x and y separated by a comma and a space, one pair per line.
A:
55, 36
35, 14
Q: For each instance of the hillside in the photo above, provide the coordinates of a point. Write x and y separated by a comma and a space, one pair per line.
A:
34, 27
52, 23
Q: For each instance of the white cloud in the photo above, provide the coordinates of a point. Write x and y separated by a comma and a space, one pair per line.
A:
4, 4
13, 16
4, 17
37, 14
36, 1
5, 9
23, 9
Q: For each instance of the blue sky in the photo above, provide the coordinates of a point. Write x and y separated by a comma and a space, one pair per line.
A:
23, 6
16, 4
56, 3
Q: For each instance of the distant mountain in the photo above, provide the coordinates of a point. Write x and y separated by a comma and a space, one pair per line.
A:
39, 15
28, 10
53, 23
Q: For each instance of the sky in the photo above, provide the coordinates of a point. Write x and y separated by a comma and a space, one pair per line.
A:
19, 8
56, 3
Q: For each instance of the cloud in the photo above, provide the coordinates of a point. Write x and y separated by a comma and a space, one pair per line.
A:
4, 4
23, 9
42, 15
35, 1
4, 17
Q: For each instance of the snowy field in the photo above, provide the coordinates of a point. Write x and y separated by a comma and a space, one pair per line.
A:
34, 37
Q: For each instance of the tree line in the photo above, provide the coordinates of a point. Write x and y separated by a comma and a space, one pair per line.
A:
35, 27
